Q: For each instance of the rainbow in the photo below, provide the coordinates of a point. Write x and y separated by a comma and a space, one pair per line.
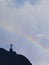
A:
31, 39
35, 43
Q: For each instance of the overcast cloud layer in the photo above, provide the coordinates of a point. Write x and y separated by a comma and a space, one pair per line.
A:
25, 18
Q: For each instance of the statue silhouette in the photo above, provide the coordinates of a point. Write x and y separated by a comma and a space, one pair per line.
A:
11, 58
11, 50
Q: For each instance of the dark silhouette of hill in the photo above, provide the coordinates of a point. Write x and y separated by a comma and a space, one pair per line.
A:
11, 58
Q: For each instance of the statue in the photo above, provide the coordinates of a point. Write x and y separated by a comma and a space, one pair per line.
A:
11, 50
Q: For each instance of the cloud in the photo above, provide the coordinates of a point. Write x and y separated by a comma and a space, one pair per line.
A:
22, 2
27, 20
40, 35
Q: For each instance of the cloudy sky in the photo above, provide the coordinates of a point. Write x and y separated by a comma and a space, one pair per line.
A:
25, 24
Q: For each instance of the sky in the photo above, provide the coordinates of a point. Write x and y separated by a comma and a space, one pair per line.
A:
25, 24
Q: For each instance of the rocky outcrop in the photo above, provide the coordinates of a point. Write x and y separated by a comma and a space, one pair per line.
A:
11, 58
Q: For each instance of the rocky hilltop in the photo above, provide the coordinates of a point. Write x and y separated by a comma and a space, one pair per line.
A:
12, 58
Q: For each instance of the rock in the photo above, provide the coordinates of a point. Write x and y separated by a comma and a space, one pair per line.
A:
11, 58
